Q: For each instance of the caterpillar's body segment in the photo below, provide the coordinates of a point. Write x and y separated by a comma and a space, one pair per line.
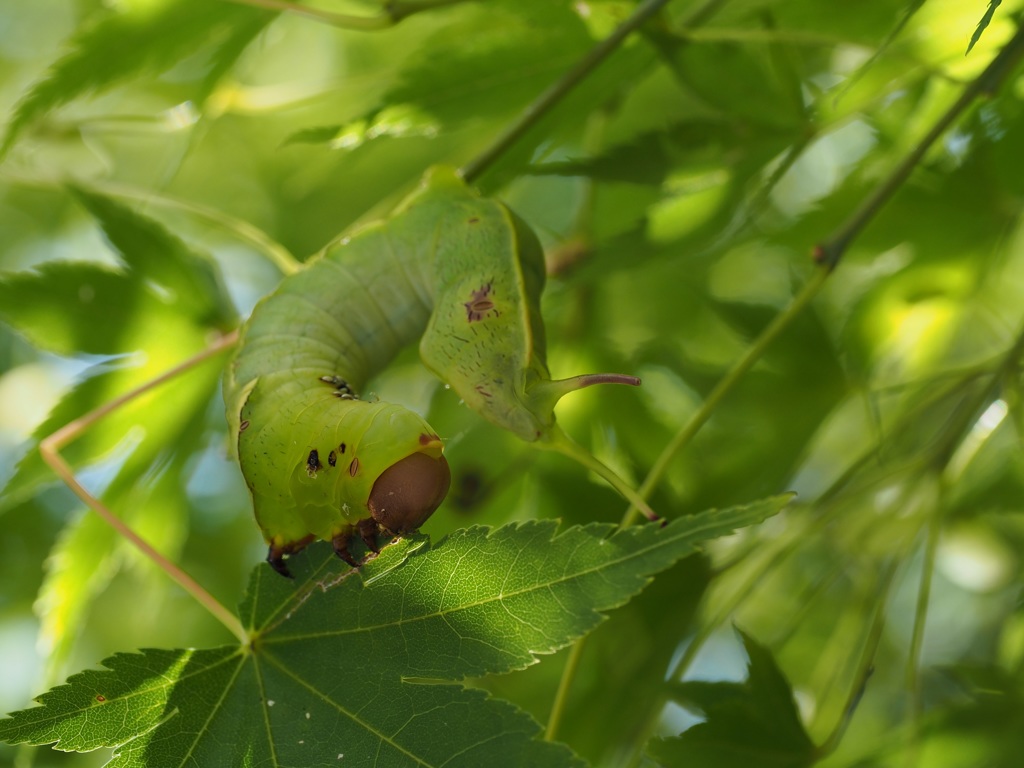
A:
459, 270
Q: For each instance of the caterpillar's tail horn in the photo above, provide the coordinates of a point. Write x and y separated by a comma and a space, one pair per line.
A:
550, 392
544, 394
562, 387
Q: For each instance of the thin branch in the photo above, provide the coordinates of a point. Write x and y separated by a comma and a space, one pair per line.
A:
829, 254
543, 104
725, 385
865, 668
560, 442
51, 445
390, 14
987, 83
572, 663
924, 591
479, 164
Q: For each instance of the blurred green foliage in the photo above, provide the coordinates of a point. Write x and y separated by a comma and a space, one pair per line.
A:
680, 192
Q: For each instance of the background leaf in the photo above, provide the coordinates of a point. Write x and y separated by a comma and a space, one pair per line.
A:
140, 39
753, 722
986, 19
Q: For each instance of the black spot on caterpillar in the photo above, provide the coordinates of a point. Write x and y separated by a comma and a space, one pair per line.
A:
313, 463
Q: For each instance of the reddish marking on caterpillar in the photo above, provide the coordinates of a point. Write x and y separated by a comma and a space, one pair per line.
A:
353, 468
480, 388
475, 220
243, 426
100, 698
426, 439
479, 305
332, 458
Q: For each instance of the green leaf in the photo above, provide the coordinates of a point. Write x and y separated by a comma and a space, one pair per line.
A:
647, 159
189, 280
908, 13
468, 69
986, 19
142, 39
165, 302
985, 716
632, 650
747, 83
78, 568
750, 723
68, 307
690, 150
340, 659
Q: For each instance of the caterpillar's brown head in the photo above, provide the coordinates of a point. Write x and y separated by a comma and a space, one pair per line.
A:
409, 491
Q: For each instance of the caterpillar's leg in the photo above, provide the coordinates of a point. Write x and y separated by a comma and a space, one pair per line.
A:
368, 530
276, 553
276, 559
340, 544
50, 447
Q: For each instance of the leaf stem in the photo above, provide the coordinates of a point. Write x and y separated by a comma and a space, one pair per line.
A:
479, 164
831, 251
920, 620
959, 427
543, 104
829, 254
50, 447
865, 668
725, 385
572, 663
560, 442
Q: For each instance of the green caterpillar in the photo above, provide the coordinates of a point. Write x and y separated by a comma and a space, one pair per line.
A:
463, 274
